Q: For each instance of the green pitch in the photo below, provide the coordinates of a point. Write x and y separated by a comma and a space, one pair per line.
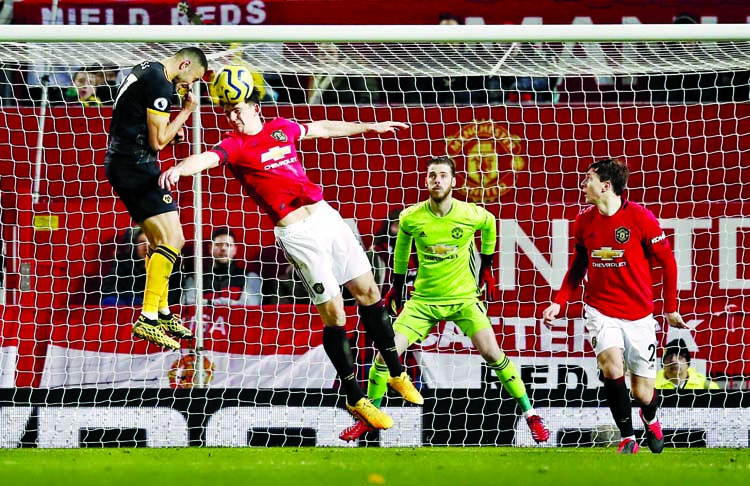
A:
495, 466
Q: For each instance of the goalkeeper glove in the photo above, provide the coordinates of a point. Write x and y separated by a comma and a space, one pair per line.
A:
394, 299
487, 278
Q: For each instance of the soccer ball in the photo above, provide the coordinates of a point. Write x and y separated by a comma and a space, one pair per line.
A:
233, 84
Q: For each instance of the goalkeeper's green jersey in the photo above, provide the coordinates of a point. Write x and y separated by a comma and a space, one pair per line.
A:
445, 249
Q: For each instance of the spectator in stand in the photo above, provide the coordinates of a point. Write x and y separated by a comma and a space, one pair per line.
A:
225, 282
56, 78
441, 90
532, 90
280, 283
677, 372
107, 80
126, 281
330, 89
83, 90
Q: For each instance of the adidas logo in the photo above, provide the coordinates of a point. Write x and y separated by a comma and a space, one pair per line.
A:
422, 235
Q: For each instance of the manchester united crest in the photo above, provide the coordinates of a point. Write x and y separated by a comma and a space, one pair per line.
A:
622, 234
457, 233
279, 135
492, 157
182, 372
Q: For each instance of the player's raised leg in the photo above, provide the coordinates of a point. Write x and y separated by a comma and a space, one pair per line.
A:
169, 229
164, 234
377, 386
378, 326
336, 345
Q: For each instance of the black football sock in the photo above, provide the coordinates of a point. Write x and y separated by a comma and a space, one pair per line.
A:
649, 410
618, 399
336, 346
378, 326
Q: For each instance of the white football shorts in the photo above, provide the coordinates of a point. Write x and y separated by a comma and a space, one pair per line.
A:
636, 338
324, 251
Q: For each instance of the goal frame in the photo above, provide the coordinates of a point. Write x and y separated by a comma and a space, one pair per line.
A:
356, 34
378, 33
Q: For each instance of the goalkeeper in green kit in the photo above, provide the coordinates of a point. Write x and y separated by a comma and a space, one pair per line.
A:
443, 231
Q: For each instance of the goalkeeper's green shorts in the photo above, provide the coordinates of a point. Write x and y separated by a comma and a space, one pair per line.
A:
418, 318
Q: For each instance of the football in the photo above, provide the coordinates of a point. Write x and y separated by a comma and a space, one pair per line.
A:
233, 84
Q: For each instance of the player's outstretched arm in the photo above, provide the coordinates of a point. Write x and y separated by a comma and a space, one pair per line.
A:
192, 165
328, 128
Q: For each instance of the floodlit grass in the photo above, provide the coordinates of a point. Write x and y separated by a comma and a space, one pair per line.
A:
495, 466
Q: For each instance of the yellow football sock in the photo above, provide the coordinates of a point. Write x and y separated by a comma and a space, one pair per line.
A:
157, 277
510, 378
164, 299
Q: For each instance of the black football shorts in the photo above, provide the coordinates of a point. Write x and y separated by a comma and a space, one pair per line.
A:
137, 186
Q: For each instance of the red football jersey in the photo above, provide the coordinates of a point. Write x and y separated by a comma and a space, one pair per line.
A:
616, 252
267, 166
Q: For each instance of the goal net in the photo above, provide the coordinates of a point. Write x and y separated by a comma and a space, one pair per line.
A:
523, 111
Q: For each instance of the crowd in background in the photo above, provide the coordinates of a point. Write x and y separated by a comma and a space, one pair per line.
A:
96, 85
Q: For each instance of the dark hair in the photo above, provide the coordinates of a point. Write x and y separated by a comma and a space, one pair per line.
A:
685, 18
221, 231
91, 68
442, 160
82, 70
194, 54
127, 244
678, 347
448, 16
613, 171
254, 96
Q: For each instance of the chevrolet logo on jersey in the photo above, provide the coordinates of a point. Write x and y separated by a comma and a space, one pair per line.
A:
607, 254
276, 153
441, 249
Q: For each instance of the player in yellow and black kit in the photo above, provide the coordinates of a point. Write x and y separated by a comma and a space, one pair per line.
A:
140, 128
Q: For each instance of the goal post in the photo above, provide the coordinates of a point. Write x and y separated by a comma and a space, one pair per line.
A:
523, 110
